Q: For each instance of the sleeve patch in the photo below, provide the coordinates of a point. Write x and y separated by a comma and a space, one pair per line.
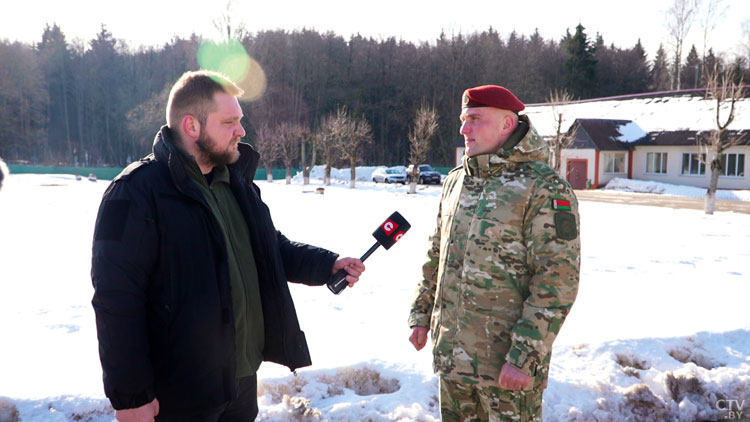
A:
112, 222
565, 225
560, 204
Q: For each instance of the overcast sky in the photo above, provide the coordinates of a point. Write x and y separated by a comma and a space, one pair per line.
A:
154, 22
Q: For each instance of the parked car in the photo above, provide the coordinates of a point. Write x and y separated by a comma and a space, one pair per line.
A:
389, 175
425, 174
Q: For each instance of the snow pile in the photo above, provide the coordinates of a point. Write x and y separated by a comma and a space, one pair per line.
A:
630, 185
357, 393
680, 379
363, 174
659, 331
645, 186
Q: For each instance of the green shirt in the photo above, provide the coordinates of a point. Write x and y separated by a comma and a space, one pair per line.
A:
243, 274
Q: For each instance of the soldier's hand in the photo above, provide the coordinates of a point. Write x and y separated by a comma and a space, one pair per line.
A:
353, 266
145, 413
512, 379
418, 337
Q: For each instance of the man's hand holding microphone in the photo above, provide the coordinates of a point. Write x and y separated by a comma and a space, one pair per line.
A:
353, 268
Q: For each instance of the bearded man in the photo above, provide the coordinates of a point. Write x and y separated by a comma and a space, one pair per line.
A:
190, 274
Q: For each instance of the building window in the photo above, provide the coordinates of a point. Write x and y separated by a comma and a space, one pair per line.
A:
694, 164
733, 165
614, 162
656, 162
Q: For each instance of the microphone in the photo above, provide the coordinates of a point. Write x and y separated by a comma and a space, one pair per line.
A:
388, 233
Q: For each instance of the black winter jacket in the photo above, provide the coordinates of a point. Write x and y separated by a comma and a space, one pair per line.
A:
162, 293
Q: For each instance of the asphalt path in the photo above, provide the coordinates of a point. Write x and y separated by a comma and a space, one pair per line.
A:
656, 200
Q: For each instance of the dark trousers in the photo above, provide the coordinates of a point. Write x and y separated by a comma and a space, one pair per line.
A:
242, 409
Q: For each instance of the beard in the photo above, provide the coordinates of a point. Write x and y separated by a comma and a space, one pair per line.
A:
210, 155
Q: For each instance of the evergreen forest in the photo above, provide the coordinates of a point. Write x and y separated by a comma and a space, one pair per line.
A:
100, 102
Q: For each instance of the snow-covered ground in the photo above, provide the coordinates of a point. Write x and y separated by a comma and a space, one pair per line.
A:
659, 331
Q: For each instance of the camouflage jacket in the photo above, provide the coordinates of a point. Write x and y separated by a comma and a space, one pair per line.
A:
502, 266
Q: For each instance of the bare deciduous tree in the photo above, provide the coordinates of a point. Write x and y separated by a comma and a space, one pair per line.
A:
142, 120
745, 43
227, 29
714, 12
331, 128
679, 19
724, 92
288, 136
355, 134
558, 99
308, 154
268, 148
425, 125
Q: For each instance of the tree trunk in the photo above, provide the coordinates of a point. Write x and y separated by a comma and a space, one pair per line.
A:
710, 203
553, 157
305, 166
269, 174
413, 186
327, 175
65, 111
353, 174
288, 175
306, 180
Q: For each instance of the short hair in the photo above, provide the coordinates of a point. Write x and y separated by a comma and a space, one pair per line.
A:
194, 94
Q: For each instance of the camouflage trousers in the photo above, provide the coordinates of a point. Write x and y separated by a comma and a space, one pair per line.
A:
463, 402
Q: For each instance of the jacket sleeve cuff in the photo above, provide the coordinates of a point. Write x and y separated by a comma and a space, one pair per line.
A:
131, 401
419, 320
520, 360
323, 272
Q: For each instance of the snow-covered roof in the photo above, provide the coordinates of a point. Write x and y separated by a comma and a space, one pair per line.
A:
683, 112
690, 137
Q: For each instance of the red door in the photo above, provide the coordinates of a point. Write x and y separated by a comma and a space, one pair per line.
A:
577, 173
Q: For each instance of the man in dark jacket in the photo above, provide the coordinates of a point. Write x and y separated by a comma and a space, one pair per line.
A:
190, 274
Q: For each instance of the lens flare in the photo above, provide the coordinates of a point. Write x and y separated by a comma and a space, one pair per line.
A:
231, 59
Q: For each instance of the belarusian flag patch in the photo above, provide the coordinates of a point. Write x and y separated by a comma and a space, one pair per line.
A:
560, 204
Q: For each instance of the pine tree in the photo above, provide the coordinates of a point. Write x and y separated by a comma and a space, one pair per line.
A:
710, 64
608, 79
638, 76
660, 75
691, 72
54, 60
580, 67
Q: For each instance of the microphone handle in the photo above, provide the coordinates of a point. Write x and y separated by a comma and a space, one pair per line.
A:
337, 283
370, 251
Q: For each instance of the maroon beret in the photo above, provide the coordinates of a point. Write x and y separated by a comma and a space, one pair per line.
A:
491, 96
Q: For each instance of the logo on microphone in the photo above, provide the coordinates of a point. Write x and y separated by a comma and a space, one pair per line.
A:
389, 226
398, 237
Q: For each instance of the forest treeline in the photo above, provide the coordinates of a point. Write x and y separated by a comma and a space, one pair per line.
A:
99, 103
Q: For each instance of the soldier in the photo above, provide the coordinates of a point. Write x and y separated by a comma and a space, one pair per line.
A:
502, 267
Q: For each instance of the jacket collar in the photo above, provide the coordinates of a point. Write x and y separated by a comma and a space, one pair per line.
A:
484, 165
165, 151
